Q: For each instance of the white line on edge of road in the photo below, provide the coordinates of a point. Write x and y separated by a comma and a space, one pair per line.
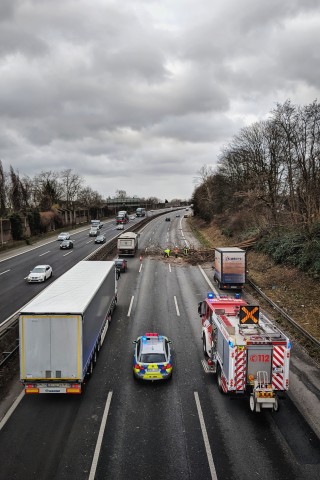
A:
208, 281
176, 303
11, 410
205, 438
5, 271
130, 306
170, 267
100, 437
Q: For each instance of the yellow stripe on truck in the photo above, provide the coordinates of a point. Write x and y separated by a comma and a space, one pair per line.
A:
79, 347
22, 349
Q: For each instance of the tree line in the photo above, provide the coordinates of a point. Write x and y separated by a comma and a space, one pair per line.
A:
41, 197
267, 180
43, 191
23, 196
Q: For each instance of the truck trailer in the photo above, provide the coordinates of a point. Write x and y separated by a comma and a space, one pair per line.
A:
230, 267
122, 217
127, 243
140, 212
248, 353
63, 328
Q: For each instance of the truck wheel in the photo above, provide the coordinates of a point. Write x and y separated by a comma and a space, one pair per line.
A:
204, 346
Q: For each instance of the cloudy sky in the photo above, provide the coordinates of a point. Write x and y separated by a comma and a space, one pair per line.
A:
138, 95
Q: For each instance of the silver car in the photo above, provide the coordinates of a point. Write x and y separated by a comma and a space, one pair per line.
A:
40, 273
63, 236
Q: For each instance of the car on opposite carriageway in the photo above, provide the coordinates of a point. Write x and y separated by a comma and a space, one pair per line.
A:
63, 236
100, 239
40, 273
66, 245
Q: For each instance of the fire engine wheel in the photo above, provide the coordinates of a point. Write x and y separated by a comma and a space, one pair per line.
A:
204, 343
276, 405
252, 403
219, 380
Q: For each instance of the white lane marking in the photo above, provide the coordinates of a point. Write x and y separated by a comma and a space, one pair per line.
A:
68, 253
41, 255
100, 437
140, 268
176, 303
170, 267
5, 271
130, 307
208, 281
184, 238
205, 438
90, 241
11, 410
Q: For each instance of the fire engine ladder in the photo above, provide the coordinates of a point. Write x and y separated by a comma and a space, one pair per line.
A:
255, 331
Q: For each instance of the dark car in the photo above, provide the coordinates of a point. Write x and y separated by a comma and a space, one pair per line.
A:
167, 219
121, 264
66, 244
100, 239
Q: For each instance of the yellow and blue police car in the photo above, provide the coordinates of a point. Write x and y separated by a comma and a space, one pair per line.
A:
152, 357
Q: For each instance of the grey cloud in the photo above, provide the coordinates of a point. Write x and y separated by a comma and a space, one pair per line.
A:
142, 94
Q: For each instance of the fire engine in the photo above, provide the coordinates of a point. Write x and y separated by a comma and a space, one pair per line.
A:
247, 352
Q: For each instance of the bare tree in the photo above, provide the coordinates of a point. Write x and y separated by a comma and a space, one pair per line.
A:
47, 190
71, 184
15, 191
90, 198
300, 130
122, 194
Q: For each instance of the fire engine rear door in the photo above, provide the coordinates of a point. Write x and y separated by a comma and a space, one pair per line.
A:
259, 358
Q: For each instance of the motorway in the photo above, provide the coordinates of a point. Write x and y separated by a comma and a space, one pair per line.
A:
121, 429
15, 268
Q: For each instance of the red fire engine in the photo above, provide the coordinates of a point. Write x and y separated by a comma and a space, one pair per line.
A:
246, 351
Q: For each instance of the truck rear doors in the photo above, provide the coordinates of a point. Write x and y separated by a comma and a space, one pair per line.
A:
50, 347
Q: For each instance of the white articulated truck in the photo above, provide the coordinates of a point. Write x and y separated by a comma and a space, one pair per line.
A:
63, 328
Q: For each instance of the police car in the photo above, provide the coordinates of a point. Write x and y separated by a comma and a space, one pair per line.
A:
152, 357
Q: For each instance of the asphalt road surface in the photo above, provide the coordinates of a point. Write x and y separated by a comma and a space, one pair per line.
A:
180, 429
